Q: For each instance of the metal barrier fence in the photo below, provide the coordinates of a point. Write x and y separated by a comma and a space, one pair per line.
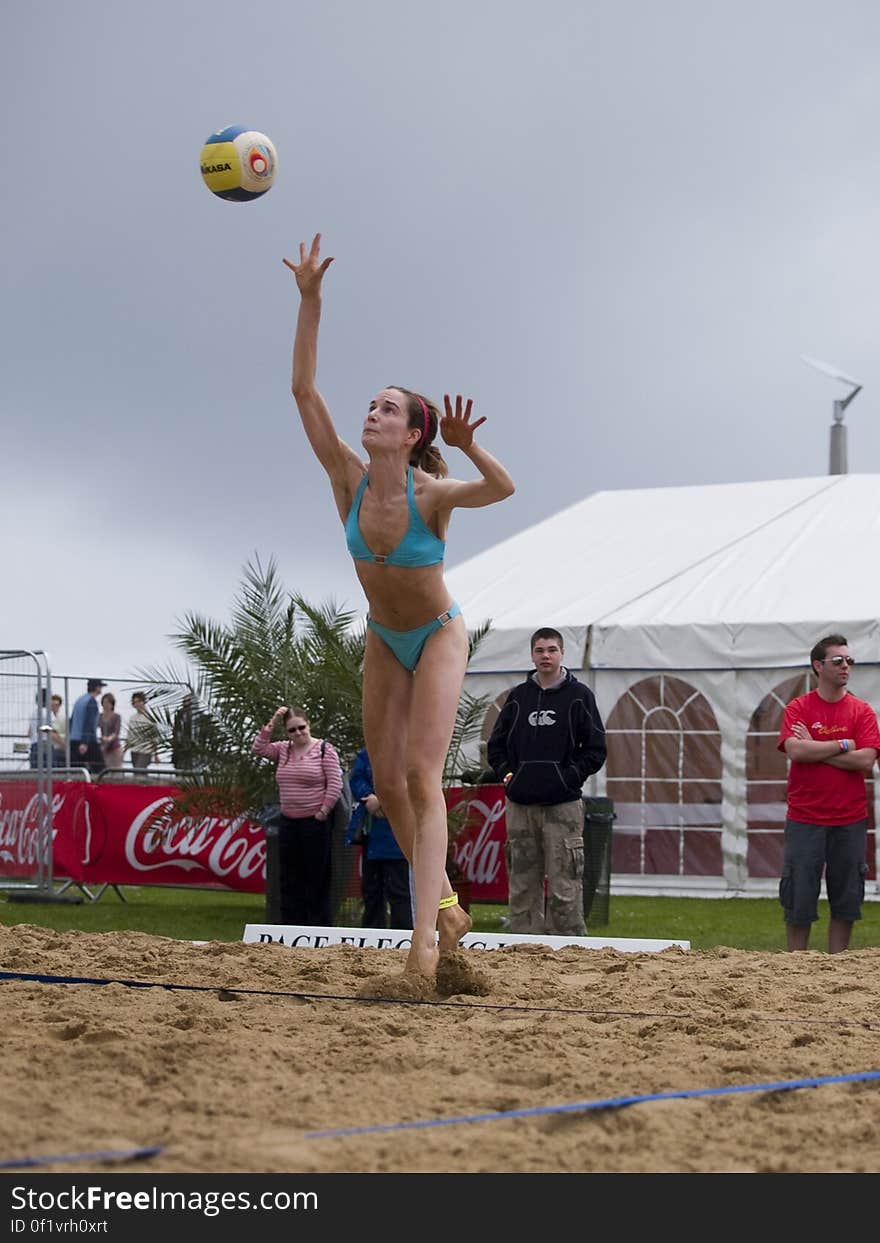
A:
26, 737
35, 746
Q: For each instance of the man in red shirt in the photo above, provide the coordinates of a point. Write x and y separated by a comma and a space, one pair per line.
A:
832, 741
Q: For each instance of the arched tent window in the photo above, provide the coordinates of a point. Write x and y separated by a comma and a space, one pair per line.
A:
664, 775
767, 778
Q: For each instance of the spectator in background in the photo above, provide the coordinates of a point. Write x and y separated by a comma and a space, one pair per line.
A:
59, 733
35, 726
832, 741
547, 740
189, 735
384, 869
309, 778
182, 734
85, 749
140, 740
110, 728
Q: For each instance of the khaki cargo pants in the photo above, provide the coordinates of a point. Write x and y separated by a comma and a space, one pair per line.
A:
546, 841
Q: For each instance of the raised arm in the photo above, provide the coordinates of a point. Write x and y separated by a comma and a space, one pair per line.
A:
262, 744
457, 431
334, 455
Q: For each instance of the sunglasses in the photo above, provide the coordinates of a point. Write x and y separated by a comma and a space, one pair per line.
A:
297, 729
839, 660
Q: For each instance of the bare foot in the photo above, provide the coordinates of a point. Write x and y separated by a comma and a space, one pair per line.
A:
453, 923
422, 961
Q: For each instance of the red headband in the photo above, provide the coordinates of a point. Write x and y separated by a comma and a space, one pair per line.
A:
425, 416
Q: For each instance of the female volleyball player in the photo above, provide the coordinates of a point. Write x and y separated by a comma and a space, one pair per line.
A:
395, 508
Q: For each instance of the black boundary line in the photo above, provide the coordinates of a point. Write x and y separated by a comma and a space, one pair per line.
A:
34, 978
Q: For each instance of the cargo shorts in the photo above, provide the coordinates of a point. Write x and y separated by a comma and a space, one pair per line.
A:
546, 842
839, 850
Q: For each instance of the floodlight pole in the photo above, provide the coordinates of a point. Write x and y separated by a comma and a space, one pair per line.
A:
837, 464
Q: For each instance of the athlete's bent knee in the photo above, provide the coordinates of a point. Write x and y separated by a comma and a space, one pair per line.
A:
422, 785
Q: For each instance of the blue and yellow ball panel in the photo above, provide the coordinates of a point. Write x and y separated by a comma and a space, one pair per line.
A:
238, 164
221, 170
226, 135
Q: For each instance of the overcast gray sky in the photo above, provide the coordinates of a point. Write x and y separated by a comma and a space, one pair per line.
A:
616, 225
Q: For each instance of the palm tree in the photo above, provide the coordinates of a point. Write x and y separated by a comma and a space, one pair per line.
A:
275, 649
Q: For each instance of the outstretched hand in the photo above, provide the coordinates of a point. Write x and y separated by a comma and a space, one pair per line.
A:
456, 428
309, 272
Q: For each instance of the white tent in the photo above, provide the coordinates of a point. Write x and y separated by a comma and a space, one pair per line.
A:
720, 576
710, 596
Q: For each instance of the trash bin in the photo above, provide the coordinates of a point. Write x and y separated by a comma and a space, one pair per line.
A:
598, 820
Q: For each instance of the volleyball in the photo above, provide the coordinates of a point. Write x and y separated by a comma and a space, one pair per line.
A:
238, 164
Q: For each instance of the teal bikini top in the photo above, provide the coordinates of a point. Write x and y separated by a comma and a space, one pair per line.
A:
419, 546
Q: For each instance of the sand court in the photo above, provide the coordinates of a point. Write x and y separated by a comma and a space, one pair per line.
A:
273, 1044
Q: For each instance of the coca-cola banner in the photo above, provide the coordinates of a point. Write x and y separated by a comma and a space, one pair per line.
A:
123, 834
19, 829
129, 835
479, 848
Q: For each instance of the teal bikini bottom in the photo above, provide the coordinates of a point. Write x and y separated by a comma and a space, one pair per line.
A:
407, 644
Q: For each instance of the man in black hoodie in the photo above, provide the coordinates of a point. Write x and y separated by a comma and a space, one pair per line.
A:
547, 740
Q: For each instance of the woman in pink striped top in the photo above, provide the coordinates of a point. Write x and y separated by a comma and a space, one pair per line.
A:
309, 783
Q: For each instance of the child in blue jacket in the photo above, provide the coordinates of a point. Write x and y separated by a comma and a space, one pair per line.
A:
385, 870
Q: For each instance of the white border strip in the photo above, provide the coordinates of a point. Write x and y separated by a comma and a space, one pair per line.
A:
300, 936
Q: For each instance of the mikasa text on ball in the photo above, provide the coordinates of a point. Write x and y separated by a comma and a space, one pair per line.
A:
238, 163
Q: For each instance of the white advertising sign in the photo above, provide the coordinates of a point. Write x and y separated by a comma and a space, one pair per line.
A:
301, 937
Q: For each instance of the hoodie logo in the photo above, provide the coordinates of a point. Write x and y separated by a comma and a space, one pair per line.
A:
547, 716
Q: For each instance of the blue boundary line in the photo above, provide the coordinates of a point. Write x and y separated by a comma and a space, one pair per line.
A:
121, 1154
618, 1102
613, 1102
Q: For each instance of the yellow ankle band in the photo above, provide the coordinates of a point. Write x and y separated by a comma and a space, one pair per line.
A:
452, 900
